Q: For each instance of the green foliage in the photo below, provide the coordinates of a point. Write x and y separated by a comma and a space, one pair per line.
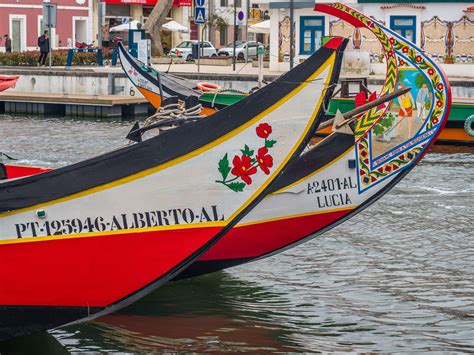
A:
269, 143
385, 123
246, 151
223, 167
236, 186
59, 58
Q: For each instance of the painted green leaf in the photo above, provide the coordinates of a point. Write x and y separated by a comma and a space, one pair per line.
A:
236, 186
246, 151
223, 167
270, 143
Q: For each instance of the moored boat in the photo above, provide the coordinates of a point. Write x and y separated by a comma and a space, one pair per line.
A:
7, 82
349, 169
459, 129
87, 239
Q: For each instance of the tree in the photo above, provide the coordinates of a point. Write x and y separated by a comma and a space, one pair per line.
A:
154, 23
216, 21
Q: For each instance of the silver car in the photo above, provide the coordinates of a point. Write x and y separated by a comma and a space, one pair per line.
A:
242, 49
185, 50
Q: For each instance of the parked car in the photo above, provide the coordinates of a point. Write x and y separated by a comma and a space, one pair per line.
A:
241, 49
185, 50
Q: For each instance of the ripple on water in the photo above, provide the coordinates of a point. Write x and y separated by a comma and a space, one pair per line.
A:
397, 277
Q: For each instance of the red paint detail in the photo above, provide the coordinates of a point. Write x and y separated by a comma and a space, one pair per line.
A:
263, 238
92, 271
14, 171
373, 179
360, 99
334, 43
329, 9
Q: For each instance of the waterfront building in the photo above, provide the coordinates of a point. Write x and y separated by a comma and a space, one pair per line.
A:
23, 21
115, 11
442, 28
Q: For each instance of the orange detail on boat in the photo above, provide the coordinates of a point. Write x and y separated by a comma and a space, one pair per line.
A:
208, 87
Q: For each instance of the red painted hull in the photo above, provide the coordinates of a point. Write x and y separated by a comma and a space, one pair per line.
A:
92, 271
256, 240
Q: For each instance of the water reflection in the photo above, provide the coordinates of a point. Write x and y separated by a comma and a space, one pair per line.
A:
397, 277
212, 313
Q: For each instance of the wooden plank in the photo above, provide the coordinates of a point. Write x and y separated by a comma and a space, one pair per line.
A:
81, 99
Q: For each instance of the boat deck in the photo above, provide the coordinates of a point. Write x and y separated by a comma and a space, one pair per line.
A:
72, 104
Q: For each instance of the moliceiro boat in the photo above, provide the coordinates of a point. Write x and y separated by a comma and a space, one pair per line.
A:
459, 129
87, 239
351, 168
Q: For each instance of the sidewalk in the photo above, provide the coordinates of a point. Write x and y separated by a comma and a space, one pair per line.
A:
243, 72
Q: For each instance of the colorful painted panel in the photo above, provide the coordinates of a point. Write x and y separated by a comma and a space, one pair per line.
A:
390, 138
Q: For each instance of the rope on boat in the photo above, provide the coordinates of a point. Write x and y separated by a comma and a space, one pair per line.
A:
170, 116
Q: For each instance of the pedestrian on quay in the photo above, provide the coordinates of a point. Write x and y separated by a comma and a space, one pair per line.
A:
43, 44
8, 43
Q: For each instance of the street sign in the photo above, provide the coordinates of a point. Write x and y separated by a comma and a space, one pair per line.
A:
200, 3
200, 15
240, 18
49, 14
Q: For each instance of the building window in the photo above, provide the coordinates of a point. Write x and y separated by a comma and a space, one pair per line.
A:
311, 32
223, 35
238, 3
404, 26
224, 3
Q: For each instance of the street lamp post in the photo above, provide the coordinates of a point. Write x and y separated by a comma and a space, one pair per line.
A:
234, 59
292, 14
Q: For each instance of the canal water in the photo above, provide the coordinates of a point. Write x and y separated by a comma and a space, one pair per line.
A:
397, 277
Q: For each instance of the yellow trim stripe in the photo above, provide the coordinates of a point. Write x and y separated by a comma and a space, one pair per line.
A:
283, 189
329, 62
107, 233
295, 216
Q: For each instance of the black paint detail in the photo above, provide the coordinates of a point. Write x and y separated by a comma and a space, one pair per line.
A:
326, 151
206, 267
16, 321
155, 151
36, 189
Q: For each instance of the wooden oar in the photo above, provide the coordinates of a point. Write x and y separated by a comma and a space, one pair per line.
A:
349, 115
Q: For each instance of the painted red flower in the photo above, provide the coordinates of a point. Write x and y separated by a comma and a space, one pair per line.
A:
265, 161
243, 168
264, 130
390, 53
418, 58
435, 120
439, 103
402, 62
405, 49
431, 71
392, 40
440, 86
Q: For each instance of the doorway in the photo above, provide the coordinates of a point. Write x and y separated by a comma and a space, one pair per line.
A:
18, 32
80, 30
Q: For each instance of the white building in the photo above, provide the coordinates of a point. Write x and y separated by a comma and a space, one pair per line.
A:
442, 28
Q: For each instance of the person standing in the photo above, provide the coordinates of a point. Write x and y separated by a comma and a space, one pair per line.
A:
43, 44
421, 99
8, 43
